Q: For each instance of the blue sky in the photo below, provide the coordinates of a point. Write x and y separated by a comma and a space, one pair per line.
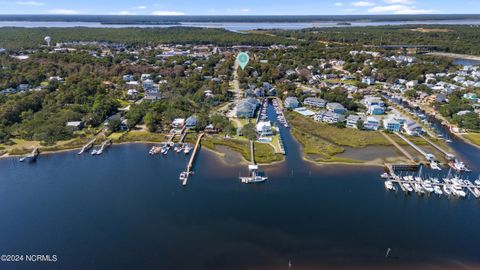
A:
239, 7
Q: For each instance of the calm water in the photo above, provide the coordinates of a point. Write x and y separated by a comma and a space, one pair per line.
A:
234, 26
127, 210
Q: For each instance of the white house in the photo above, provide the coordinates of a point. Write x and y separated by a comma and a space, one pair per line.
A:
264, 128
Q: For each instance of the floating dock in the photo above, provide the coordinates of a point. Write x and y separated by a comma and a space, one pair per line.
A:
429, 157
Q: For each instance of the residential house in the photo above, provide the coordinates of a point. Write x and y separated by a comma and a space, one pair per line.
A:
329, 117
371, 123
264, 128
178, 123
368, 80
314, 102
336, 108
75, 125
412, 128
352, 121
246, 108
391, 124
191, 122
291, 103
376, 110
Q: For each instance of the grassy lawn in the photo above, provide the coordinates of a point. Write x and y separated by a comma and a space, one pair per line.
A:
339, 136
264, 153
142, 136
473, 137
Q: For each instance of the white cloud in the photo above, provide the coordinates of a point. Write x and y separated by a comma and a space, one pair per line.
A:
362, 4
167, 13
400, 9
141, 7
29, 3
338, 4
245, 10
348, 10
123, 12
62, 11
403, 2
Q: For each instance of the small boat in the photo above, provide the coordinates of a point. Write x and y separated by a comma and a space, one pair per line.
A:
427, 186
458, 191
389, 186
187, 149
183, 176
434, 166
477, 182
407, 187
94, 152
447, 190
385, 176
437, 190
22, 159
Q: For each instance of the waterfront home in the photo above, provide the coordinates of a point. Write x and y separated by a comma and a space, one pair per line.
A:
314, 102
352, 121
391, 124
246, 108
412, 128
191, 122
75, 125
336, 108
371, 123
291, 103
264, 129
152, 94
400, 119
178, 123
329, 117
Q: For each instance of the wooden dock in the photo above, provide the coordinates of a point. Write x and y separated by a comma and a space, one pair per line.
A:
427, 156
87, 146
192, 159
447, 155
252, 153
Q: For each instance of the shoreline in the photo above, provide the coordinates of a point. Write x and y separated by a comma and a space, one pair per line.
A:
219, 154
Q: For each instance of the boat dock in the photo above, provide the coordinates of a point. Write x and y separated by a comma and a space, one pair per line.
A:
189, 171
102, 148
252, 153
447, 155
429, 157
87, 146
32, 156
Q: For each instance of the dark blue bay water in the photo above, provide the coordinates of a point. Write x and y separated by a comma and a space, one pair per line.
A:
127, 210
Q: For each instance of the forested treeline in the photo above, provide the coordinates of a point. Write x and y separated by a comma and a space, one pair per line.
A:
17, 38
456, 39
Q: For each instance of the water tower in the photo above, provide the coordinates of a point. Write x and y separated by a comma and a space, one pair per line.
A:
48, 40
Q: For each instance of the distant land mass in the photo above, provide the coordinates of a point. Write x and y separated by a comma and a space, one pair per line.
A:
117, 19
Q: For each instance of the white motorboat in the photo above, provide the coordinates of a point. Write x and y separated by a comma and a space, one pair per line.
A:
389, 185
427, 185
437, 190
407, 187
447, 190
385, 176
458, 191
187, 149
183, 176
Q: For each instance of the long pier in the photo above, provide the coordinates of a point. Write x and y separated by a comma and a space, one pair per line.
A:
400, 148
87, 146
192, 159
448, 155
252, 152
428, 156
